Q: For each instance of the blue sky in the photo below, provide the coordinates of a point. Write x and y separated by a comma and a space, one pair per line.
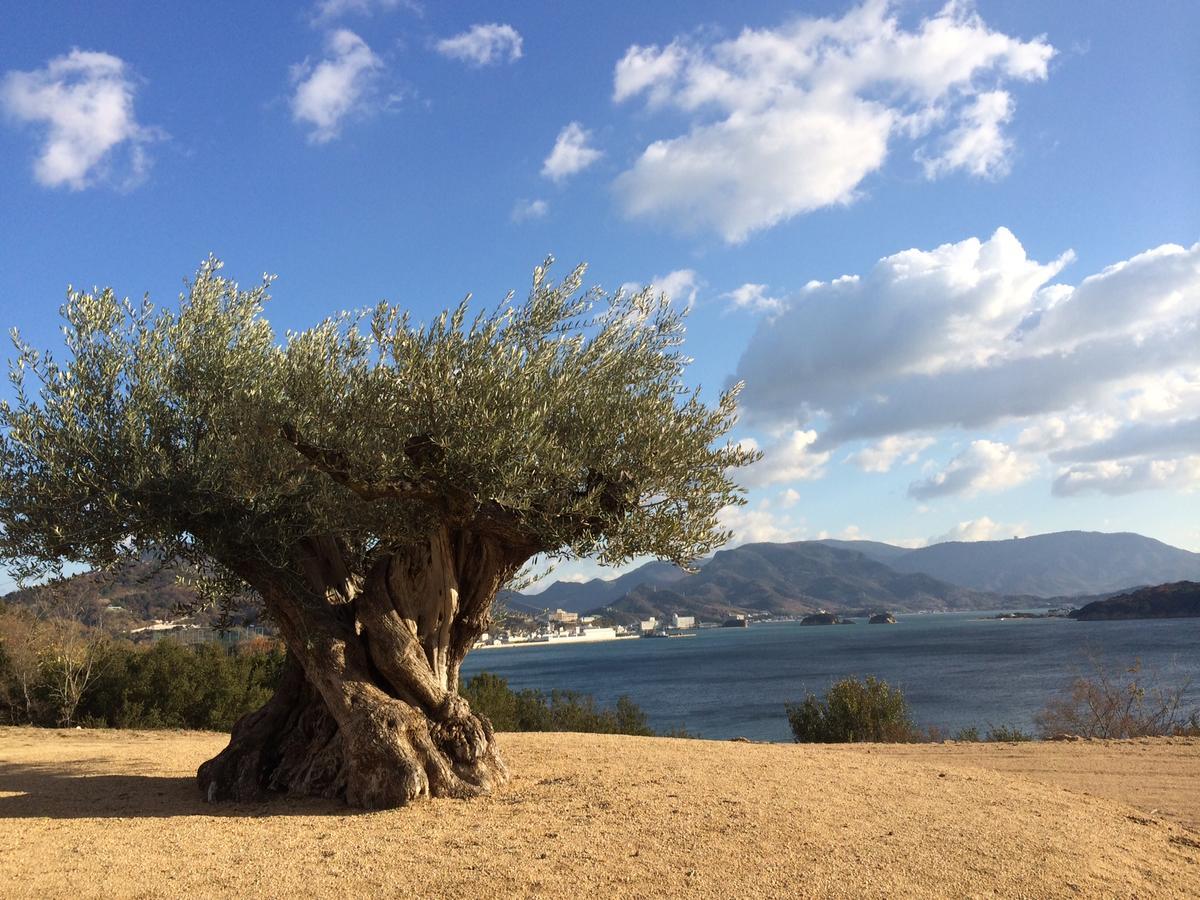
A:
1011, 187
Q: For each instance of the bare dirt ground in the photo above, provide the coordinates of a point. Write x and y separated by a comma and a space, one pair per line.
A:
117, 814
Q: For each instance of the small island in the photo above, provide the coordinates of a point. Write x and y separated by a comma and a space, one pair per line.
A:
883, 618
1179, 600
820, 618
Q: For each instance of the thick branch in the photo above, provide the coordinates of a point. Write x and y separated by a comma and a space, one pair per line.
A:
334, 464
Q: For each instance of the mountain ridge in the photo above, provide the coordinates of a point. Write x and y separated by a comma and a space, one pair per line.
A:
1053, 567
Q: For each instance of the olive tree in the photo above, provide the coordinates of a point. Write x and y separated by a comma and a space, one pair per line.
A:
374, 481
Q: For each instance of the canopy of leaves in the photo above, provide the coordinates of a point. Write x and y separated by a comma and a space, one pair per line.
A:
561, 425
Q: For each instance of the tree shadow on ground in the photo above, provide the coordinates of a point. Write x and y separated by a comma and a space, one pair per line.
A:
67, 791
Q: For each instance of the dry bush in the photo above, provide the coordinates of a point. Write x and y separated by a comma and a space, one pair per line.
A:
1119, 702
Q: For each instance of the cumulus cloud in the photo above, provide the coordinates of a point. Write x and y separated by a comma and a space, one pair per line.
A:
1048, 432
753, 297
752, 525
681, 285
483, 45
983, 466
1147, 455
570, 153
789, 458
1116, 477
977, 335
978, 145
328, 10
1137, 439
787, 120
338, 86
882, 455
981, 529
83, 103
524, 210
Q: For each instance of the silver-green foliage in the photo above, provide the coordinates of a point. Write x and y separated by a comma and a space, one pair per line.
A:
562, 425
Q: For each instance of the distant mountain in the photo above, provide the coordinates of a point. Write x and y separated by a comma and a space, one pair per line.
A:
795, 579
1049, 565
133, 595
582, 597
1021, 572
876, 550
1180, 600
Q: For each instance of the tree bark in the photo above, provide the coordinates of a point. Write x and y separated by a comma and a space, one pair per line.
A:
368, 709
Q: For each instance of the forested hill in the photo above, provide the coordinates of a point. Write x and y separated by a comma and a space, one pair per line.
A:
136, 594
794, 579
1180, 600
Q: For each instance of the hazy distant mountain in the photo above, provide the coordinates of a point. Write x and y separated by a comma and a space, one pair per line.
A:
582, 597
876, 550
793, 579
802, 576
1049, 565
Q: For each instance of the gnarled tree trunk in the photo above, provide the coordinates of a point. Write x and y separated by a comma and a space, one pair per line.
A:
368, 709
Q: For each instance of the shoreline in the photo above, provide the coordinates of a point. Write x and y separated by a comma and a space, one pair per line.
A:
559, 642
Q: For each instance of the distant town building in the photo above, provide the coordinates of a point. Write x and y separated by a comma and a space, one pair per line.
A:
648, 624
562, 617
678, 621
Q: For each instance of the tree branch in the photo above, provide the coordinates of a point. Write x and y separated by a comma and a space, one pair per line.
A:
334, 464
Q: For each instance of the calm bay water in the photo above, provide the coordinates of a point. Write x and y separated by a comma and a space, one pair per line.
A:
956, 669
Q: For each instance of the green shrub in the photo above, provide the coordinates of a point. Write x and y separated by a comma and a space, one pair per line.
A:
530, 710
168, 685
853, 711
998, 734
1007, 734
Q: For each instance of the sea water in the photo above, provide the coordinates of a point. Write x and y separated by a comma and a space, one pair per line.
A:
956, 669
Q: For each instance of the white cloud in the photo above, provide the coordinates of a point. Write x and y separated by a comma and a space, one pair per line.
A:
789, 498
84, 102
753, 525
483, 45
1048, 432
754, 298
981, 529
1137, 439
570, 154
979, 144
682, 285
524, 210
882, 455
976, 335
983, 466
336, 87
328, 10
787, 120
790, 458
1116, 477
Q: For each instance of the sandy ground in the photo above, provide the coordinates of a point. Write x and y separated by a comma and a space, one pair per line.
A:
117, 814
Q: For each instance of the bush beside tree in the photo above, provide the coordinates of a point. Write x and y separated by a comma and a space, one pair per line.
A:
532, 710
